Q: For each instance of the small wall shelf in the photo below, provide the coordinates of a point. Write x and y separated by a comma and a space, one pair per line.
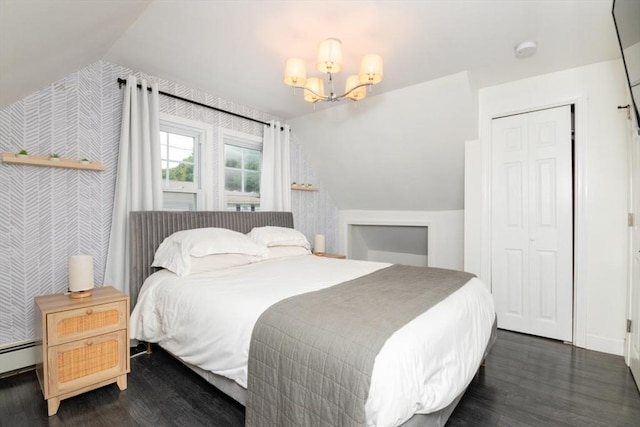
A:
304, 187
44, 161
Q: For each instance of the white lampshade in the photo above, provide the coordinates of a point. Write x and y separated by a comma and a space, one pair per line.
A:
330, 56
357, 94
318, 244
317, 86
371, 69
295, 72
80, 273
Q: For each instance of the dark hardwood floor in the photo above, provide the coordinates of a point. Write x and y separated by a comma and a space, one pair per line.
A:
528, 381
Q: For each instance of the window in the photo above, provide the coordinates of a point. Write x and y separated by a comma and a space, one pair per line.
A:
182, 145
195, 177
242, 165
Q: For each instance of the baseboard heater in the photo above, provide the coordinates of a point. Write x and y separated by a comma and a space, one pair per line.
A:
19, 356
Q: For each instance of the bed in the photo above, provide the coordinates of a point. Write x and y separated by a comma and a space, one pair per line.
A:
216, 346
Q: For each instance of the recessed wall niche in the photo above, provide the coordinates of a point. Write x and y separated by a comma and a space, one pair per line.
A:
397, 244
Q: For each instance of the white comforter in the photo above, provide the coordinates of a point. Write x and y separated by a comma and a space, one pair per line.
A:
207, 319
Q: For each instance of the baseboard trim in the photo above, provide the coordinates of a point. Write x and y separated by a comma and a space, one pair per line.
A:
605, 345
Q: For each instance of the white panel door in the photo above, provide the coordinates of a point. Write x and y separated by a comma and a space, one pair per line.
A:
509, 225
532, 221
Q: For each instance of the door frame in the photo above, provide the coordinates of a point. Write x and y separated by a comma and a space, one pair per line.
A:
633, 287
580, 220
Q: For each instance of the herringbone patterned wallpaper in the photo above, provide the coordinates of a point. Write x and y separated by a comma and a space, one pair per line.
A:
48, 214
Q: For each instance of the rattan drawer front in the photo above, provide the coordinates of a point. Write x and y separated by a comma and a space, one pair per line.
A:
70, 325
74, 365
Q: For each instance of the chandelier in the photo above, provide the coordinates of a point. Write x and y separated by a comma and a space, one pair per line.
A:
330, 62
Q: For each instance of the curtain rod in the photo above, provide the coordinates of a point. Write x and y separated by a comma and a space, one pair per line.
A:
179, 98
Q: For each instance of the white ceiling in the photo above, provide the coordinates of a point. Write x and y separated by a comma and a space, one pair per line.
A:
236, 49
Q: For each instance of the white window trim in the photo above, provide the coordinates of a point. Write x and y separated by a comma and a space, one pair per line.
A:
223, 134
205, 198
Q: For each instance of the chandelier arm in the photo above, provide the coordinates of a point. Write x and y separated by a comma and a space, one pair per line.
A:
332, 97
337, 98
321, 97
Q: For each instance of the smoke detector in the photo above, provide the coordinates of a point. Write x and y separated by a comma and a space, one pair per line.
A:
526, 49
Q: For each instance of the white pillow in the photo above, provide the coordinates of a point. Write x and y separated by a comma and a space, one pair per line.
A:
219, 262
285, 251
278, 236
175, 252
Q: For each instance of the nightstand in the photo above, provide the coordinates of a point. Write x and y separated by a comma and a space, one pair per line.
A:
85, 343
336, 256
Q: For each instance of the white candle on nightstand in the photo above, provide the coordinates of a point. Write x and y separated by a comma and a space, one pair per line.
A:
318, 244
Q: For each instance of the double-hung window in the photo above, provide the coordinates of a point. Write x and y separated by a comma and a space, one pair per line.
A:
195, 177
242, 165
182, 151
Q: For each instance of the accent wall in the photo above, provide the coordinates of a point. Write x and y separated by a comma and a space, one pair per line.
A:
48, 214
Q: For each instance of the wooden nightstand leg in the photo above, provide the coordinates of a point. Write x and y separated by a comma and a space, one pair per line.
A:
52, 405
122, 382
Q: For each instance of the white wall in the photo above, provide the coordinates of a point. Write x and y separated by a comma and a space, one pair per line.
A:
601, 190
400, 150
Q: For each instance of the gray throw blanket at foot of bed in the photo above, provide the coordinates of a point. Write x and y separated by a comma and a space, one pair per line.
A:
311, 356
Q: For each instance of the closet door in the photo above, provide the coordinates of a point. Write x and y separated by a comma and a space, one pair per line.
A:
532, 222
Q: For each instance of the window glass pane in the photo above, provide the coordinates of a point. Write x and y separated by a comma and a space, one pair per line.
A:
180, 176
181, 141
232, 179
233, 156
252, 159
242, 173
177, 161
179, 157
182, 172
252, 182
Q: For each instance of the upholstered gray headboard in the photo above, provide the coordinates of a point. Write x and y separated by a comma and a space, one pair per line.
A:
148, 229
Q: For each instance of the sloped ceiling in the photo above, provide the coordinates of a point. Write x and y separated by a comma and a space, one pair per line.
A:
237, 49
400, 149
43, 41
